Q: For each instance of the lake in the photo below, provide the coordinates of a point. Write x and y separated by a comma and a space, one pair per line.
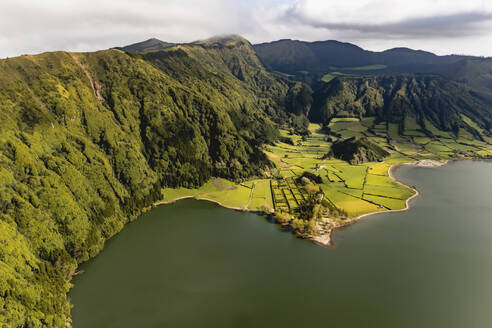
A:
194, 264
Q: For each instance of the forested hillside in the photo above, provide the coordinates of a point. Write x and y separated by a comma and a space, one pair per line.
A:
426, 99
293, 56
323, 60
87, 140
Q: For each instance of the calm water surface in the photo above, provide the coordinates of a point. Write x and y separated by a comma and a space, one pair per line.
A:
193, 264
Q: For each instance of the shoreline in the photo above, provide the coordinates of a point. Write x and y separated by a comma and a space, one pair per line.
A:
326, 240
235, 208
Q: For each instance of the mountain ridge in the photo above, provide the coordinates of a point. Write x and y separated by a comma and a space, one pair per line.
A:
88, 141
147, 45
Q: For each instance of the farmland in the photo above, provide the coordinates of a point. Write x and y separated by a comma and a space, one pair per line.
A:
342, 192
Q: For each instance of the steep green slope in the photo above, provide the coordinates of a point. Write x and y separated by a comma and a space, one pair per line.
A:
89, 140
476, 74
401, 99
473, 73
213, 68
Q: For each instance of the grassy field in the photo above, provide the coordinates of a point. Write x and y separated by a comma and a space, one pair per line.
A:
374, 67
330, 76
352, 189
350, 71
225, 192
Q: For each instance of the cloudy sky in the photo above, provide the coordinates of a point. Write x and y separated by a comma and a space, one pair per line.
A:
441, 26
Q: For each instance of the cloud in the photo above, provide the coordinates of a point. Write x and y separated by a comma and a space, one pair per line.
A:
443, 26
456, 25
388, 23
34, 26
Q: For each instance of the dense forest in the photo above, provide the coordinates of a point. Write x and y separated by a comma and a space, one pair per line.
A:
357, 150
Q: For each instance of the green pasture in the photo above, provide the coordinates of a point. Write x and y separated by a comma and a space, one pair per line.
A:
352, 175
262, 195
410, 149
354, 206
380, 180
397, 192
435, 131
422, 140
390, 203
217, 189
379, 169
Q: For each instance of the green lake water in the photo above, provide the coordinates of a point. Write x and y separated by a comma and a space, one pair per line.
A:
194, 264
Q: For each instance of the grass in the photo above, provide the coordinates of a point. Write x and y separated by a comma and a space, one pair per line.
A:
397, 192
344, 119
330, 76
374, 67
351, 124
379, 141
410, 149
381, 127
411, 123
422, 140
458, 146
305, 163
389, 203
354, 206
355, 189
436, 147
314, 128
464, 134
262, 195
393, 132
472, 124
332, 176
380, 180
368, 121
353, 175
435, 131
379, 169
220, 190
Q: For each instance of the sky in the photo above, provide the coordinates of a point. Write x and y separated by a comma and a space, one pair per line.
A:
440, 26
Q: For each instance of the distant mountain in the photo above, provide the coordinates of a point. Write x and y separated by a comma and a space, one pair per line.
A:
150, 44
322, 60
291, 56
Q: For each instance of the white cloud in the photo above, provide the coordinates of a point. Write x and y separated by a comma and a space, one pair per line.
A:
442, 26
383, 11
